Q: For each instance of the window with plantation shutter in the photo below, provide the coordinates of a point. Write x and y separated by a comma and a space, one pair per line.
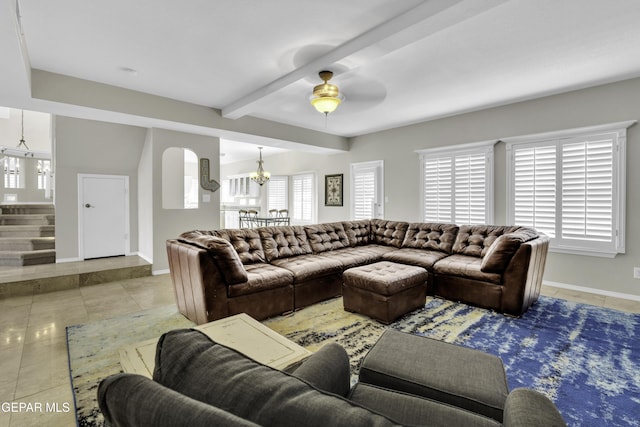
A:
278, 192
366, 190
303, 199
571, 185
457, 183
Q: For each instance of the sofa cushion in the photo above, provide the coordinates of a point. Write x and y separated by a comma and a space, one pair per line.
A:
497, 257
246, 242
305, 267
358, 232
359, 255
419, 257
327, 237
261, 277
408, 409
133, 400
431, 236
465, 266
284, 241
389, 233
188, 362
475, 240
327, 369
223, 254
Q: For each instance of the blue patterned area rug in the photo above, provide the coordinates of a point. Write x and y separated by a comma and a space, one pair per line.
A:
585, 358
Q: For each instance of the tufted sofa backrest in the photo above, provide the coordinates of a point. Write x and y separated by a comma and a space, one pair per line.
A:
327, 237
284, 241
246, 242
431, 236
475, 240
388, 233
358, 232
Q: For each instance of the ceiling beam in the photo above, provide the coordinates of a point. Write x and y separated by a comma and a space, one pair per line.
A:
434, 14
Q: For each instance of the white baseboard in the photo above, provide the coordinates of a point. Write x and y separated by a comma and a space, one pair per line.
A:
61, 260
159, 272
592, 290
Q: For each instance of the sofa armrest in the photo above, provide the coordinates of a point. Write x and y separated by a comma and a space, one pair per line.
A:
528, 408
327, 370
201, 293
522, 279
134, 400
223, 254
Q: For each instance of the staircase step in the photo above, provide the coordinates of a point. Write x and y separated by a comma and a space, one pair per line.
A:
19, 258
27, 231
27, 208
27, 219
27, 243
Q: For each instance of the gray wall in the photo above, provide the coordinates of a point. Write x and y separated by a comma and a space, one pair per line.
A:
87, 146
169, 223
604, 104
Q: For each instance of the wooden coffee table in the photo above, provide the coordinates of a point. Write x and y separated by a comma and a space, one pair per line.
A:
240, 332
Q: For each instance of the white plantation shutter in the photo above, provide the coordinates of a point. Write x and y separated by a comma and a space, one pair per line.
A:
366, 190
277, 192
438, 188
470, 191
587, 190
457, 185
571, 186
534, 182
303, 198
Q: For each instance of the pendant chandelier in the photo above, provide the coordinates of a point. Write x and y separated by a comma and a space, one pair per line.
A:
326, 97
260, 176
22, 142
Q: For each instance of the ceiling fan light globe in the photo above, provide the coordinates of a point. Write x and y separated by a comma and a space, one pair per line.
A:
326, 104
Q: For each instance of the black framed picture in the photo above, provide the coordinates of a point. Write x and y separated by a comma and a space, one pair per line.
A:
333, 190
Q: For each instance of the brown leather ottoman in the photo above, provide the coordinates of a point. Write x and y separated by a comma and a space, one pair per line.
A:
384, 290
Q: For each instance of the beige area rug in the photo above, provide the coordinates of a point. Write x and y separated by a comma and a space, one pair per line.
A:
314, 326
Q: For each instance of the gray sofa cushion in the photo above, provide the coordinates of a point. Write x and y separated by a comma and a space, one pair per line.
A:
327, 369
133, 400
412, 410
188, 362
460, 376
529, 408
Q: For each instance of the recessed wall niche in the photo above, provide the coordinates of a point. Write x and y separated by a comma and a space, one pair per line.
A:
179, 178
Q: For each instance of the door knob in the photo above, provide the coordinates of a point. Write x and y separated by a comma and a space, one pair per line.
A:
88, 205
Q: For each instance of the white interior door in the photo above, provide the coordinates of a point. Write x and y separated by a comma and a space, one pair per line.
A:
103, 215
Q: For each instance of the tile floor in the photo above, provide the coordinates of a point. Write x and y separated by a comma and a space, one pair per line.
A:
33, 353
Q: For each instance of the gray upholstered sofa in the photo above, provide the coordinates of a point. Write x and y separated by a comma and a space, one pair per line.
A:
197, 382
273, 270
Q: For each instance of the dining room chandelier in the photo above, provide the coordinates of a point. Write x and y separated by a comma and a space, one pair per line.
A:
260, 176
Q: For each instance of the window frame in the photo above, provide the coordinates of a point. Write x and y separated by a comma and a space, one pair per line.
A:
618, 132
484, 148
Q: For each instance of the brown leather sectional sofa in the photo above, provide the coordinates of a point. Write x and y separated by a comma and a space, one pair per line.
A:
268, 271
